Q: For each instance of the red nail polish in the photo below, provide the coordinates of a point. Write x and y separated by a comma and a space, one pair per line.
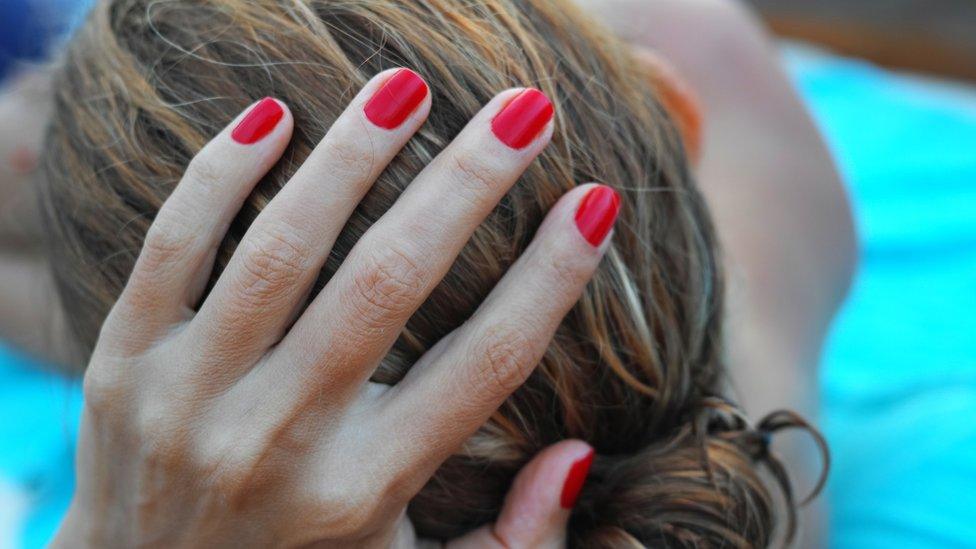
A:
259, 122
575, 480
522, 119
597, 213
396, 100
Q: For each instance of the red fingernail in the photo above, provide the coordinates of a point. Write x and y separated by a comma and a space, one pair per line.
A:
597, 213
575, 480
259, 122
393, 103
522, 119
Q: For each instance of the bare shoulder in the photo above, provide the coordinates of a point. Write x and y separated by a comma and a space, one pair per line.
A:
780, 207
774, 190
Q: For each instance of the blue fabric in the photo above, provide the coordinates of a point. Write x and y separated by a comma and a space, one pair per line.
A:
39, 412
19, 33
899, 376
28, 28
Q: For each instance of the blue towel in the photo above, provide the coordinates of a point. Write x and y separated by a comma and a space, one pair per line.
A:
899, 377
39, 412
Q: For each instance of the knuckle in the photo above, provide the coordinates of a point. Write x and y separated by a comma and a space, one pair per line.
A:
203, 171
389, 284
229, 484
170, 444
230, 466
355, 159
164, 454
508, 356
229, 480
164, 446
400, 483
166, 240
104, 389
272, 262
566, 270
125, 333
476, 175
347, 512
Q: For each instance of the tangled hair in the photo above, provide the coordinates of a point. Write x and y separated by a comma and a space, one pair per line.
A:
636, 369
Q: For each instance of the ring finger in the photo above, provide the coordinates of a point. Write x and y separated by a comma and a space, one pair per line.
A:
355, 319
284, 249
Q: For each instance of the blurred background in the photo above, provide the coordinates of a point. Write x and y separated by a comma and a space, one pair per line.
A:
929, 36
892, 86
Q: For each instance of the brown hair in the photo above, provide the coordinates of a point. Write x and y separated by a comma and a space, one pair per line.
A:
635, 369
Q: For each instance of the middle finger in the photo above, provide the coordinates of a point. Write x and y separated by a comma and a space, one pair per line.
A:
353, 322
284, 249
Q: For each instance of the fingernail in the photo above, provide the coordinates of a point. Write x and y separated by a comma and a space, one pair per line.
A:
597, 213
522, 119
259, 122
396, 100
575, 480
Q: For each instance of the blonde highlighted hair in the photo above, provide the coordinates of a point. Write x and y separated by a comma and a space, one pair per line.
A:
636, 369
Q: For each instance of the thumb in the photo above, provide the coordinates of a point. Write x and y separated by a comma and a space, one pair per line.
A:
538, 506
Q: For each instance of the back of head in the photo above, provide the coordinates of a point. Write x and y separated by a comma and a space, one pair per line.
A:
635, 369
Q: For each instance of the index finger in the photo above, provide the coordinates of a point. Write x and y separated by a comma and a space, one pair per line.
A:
181, 244
453, 390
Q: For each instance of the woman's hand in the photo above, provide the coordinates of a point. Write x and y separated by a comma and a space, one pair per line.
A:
220, 424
